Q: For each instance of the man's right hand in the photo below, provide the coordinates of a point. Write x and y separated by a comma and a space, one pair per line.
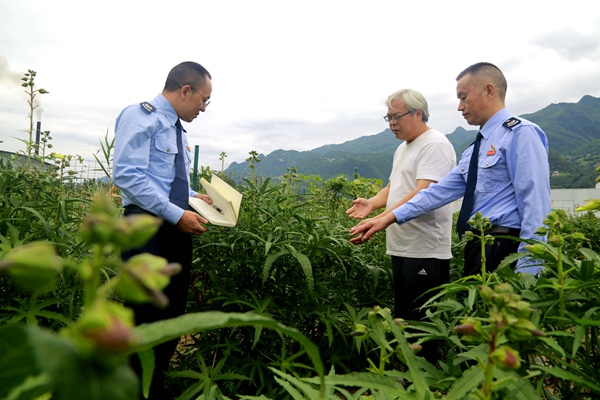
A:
190, 222
360, 209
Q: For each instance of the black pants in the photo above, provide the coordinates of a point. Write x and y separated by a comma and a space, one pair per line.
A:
412, 278
494, 254
176, 246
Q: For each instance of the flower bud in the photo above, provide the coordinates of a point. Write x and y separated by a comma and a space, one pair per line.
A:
506, 358
593, 205
486, 293
557, 241
58, 156
579, 237
97, 229
141, 228
109, 326
537, 249
33, 266
416, 347
400, 322
465, 329
359, 330
143, 278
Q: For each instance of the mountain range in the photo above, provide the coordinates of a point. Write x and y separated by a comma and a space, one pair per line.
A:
573, 131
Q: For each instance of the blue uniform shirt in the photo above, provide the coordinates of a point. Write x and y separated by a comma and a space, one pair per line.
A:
513, 180
144, 160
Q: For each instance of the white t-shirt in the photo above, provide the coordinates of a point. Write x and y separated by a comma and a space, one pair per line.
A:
430, 156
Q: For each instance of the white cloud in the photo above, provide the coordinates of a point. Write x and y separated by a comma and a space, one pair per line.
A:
286, 75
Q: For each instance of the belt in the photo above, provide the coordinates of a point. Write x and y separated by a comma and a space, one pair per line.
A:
135, 209
502, 230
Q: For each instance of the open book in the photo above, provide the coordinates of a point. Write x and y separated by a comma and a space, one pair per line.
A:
225, 209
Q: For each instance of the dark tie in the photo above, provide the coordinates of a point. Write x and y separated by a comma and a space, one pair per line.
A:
467, 204
180, 189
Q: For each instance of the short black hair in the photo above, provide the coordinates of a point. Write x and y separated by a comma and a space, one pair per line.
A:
487, 72
187, 73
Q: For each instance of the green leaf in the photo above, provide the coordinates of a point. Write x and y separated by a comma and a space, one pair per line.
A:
360, 379
553, 345
469, 380
29, 388
307, 268
73, 374
307, 389
269, 263
162, 331
418, 377
520, 388
147, 363
577, 339
569, 376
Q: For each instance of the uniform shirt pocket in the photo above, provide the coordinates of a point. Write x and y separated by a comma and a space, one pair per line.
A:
463, 168
188, 158
162, 157
493, 173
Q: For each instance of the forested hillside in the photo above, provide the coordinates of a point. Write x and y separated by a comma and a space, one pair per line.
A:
573, 131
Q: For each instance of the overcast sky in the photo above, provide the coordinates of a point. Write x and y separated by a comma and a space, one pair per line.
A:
291, 75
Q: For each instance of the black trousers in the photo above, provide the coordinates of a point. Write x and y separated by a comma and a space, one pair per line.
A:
412, 278
176, 246
494, 254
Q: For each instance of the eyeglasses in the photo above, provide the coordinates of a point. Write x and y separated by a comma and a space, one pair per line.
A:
206, 101
396, 118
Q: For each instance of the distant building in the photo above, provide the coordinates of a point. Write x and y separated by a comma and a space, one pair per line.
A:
22, 159
563, 199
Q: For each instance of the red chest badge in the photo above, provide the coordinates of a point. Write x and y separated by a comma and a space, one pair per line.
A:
491, 151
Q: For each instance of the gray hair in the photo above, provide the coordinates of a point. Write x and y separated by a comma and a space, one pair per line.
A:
413, 101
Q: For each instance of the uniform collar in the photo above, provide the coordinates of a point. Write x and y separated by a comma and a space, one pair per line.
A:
162, 102
493, 123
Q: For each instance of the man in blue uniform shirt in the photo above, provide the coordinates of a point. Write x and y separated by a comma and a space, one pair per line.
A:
513, 175
151, 168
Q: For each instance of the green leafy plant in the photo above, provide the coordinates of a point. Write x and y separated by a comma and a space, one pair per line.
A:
103, 335
29, 83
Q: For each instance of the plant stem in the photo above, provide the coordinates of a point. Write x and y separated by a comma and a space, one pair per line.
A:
489, 370
483, 258
92, 281
561, 289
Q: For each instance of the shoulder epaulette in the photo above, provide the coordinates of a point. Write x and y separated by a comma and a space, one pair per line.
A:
147, 107
511, 122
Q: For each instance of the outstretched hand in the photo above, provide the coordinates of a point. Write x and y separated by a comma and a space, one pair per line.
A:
367, 228
360, 209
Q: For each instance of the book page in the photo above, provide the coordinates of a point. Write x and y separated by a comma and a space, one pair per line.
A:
224, 209
228, 192
210, 212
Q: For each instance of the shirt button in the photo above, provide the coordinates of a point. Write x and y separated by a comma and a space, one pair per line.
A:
168, 150
462, 169
486, 164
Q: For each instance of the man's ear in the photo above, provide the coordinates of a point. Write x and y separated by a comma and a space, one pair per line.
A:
184, 91
490, 90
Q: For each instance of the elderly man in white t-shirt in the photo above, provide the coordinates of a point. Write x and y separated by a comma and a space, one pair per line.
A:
421, 248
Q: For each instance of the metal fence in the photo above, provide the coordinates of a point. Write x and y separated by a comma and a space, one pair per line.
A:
87, 170
82, 170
